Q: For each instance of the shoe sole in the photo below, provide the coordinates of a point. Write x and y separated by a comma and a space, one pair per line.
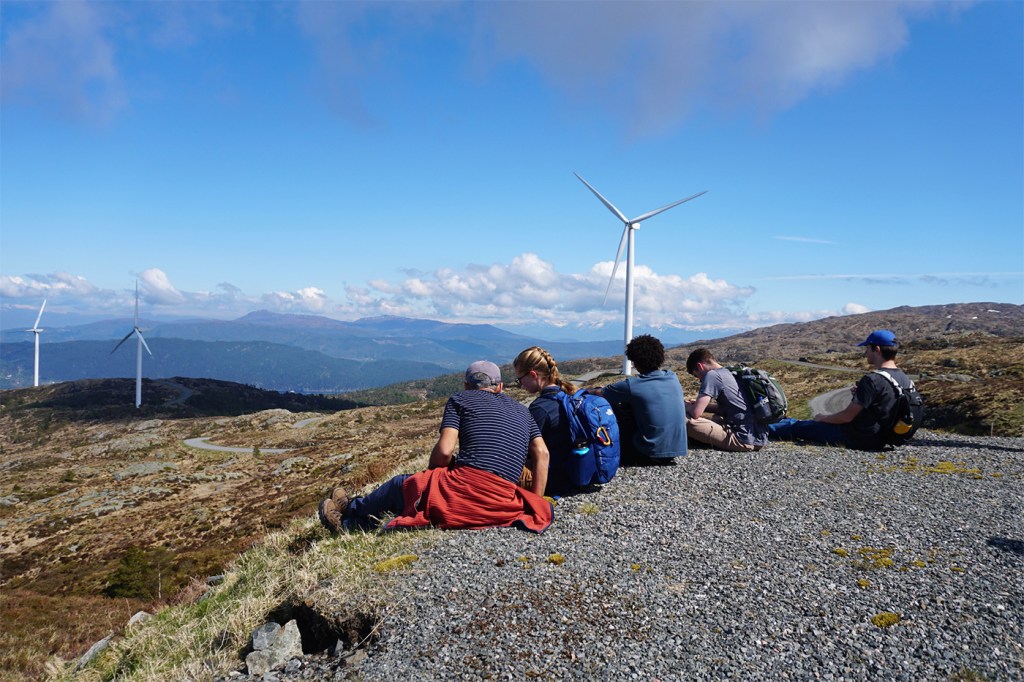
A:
323, 517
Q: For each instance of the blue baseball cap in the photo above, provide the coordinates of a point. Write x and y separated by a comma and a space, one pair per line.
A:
882, 337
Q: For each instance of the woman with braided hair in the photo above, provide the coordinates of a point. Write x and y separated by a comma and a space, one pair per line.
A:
537, 372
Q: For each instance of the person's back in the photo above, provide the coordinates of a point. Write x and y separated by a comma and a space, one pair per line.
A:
878, 399
657, 426
493, 431
732, 426
860, 424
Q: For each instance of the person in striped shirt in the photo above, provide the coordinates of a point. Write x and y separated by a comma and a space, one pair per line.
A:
476, 488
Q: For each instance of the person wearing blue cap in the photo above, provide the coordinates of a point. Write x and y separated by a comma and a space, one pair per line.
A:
861, 424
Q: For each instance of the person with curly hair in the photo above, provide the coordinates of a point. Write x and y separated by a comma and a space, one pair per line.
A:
649, 406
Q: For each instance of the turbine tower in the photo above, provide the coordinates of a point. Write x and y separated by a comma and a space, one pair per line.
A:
139, 345
627, 239
37, 331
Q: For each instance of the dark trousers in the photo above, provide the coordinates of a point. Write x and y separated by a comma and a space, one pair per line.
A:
365, 513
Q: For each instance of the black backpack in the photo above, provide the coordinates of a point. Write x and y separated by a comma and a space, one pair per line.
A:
763, 393
908, 412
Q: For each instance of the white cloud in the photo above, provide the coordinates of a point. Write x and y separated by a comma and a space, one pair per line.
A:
668, 58
157, 288
529, 290
306, 300
63, 59
855, 309
53, 285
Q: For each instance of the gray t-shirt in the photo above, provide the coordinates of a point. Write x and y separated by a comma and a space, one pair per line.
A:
720, 385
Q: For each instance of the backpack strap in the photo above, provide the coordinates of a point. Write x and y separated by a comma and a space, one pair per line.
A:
569, 403
895, 384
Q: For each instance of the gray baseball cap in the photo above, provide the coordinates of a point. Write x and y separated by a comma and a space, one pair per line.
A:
486, 368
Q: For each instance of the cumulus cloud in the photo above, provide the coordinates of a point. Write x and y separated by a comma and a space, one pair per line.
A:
157, 288
53, 285
529, 290
855, 309
307, 300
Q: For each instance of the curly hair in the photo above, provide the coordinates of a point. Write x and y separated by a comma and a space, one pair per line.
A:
646, 352
536, 359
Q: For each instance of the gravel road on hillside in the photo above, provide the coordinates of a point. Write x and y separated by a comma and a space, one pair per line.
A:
788, 563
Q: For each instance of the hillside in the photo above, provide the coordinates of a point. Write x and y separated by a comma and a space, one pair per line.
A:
304, 353
98, 500
266, 365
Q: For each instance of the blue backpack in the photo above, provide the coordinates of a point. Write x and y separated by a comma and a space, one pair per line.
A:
595, 436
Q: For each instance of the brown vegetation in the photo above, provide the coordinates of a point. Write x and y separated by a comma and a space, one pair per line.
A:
98, 499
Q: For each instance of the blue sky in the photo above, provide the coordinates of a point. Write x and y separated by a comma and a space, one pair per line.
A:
358, 159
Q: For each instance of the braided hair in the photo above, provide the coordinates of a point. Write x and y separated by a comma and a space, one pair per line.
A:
536, 359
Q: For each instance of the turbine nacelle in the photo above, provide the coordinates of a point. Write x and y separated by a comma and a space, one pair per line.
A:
627, 238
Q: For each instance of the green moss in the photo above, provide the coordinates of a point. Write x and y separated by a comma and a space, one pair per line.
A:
395, 563
841, 552
556, 559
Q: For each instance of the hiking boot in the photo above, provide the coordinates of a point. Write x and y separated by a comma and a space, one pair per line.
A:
331, 514
339, 498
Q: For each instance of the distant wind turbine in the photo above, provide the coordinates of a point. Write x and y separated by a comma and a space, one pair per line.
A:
37, 331
140, 344
627, 238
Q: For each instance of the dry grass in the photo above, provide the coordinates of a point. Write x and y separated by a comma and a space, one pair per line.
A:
298, 565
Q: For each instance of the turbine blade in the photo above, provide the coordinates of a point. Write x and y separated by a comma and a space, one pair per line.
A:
615, 268
649, 214
136, 304
40, 315
126, 337
143, 339
604, 201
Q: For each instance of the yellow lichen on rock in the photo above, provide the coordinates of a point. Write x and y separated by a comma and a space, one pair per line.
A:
885, 619
556, 559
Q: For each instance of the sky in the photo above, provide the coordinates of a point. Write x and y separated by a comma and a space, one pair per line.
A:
417, 159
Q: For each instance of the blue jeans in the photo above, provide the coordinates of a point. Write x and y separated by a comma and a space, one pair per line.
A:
808, 429
364, 513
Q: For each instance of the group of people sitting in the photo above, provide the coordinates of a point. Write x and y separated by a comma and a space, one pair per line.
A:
510, 456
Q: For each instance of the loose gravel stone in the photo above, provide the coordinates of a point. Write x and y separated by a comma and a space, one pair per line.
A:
779, 564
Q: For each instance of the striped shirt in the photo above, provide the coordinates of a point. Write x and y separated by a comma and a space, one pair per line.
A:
494, 431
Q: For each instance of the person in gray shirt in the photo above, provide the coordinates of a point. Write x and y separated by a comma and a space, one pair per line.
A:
731, 425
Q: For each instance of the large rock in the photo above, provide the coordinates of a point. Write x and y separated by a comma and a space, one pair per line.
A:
273, 646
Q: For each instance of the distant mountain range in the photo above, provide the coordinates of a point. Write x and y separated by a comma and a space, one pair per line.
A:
305, 353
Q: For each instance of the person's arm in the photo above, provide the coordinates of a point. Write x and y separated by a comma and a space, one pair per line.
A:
695, 409
844, 416
441, 455
539, 455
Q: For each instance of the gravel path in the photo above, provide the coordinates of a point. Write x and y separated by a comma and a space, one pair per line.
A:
767, 565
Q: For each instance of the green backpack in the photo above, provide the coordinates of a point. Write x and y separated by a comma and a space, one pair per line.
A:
763, 393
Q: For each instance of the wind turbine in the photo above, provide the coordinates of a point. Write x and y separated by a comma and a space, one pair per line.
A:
139, 345
627, 238
36, 330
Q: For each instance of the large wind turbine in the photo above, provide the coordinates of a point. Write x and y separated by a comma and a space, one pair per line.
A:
627, 238
36, 330
139, 345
